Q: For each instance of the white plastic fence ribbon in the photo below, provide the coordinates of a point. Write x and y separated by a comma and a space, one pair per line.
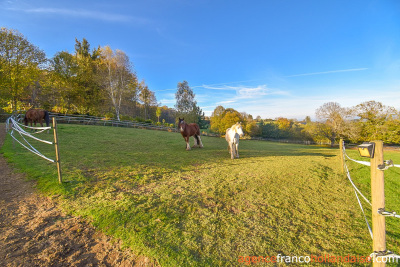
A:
15, 127
31, 150
366, 163
34, 149
29, 127
21, 131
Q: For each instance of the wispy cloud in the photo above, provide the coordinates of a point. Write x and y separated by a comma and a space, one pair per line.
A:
325, 72
162, 90
82, 13
215, 85
248, 92
223, 88
225, 102
259, 91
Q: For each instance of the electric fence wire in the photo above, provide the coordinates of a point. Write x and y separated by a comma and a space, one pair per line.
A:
375, 254
356, 192
351, 181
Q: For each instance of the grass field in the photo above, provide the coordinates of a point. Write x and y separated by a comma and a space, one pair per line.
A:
199, 207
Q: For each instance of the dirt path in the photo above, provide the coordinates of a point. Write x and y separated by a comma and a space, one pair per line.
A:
33, 232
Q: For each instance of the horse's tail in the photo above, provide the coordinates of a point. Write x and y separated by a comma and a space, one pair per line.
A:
47, 118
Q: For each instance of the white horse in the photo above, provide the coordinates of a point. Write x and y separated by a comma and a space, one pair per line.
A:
232, 137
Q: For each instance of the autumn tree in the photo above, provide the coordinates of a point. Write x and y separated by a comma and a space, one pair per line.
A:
21, 64
253, 128
216, 118
374, 119
334, 119
283, 123
222, 119
89, 96
147, 98
158, 113
168, 115
62, 76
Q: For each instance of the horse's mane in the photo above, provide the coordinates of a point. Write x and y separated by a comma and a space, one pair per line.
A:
235, 126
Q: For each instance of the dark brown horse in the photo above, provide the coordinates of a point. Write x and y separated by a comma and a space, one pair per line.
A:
37, 115
188, 130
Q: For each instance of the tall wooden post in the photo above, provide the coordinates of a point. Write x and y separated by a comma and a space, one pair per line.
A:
57, 150
378, 201
341, 154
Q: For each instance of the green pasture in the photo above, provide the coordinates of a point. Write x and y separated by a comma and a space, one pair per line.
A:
199, 207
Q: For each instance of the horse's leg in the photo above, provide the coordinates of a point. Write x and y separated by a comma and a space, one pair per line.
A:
237, 150
187, 143
232, 150
199, 142
195, 144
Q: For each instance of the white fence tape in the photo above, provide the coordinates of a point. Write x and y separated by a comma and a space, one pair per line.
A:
366, 163
16, 127
13, 126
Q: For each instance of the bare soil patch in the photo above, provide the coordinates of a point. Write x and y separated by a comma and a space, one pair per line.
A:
35, 233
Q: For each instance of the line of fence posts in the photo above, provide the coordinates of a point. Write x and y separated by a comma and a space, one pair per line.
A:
377, 199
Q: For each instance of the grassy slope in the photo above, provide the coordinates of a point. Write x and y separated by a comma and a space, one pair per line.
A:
200, 208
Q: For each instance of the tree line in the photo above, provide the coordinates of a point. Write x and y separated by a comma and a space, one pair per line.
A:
367, 121
95, 81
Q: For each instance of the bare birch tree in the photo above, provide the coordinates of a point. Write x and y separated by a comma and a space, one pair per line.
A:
118, 78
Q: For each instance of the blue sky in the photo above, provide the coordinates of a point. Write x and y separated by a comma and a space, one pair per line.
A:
269, 58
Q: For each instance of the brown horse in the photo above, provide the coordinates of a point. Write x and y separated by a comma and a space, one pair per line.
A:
188, 130
37, 115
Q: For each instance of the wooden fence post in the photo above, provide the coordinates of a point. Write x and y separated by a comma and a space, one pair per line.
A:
57, 150
378, 201
341, 154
